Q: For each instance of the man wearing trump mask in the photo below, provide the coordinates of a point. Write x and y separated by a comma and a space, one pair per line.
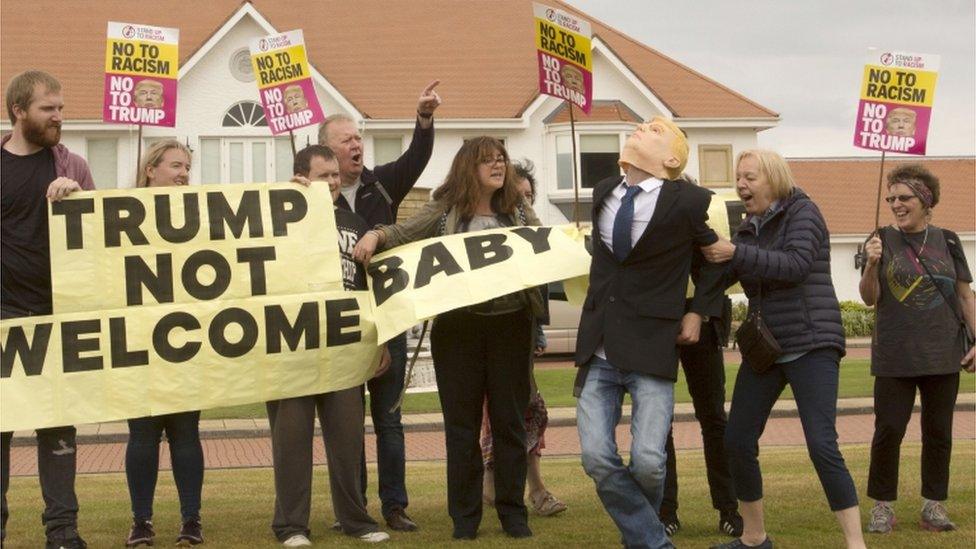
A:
647, 227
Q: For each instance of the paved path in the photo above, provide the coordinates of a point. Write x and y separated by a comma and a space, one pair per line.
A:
561, 440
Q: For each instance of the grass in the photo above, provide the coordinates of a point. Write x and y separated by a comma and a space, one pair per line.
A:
238, 506
556, 385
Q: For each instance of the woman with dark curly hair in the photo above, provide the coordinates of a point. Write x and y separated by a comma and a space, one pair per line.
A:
918, 279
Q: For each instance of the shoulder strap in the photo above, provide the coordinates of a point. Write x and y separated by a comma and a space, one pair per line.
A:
918, 259
382, 190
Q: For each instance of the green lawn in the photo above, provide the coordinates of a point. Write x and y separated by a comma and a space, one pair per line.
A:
557, 388
238, 506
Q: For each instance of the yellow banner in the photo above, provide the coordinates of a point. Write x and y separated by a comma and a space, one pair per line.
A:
141, 58
280, 66
564, 44
423, 279
125, 248
898, 85
109, 365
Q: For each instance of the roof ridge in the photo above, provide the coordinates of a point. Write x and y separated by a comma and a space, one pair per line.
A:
667, 58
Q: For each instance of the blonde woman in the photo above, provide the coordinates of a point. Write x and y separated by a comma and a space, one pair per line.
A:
166, 163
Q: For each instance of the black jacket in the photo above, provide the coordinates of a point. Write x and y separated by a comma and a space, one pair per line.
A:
790, 257
385, 186
635, 307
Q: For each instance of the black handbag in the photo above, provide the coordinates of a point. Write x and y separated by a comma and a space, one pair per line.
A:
968, 340
758, 346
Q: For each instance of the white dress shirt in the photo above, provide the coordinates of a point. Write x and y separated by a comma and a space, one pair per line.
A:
644, 204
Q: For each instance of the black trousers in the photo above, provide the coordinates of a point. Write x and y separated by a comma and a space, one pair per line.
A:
705, 373
56, 463
477, 356
894, 399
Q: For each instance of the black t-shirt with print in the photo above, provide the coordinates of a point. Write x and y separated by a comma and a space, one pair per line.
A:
916, 332
25, 276
351, 228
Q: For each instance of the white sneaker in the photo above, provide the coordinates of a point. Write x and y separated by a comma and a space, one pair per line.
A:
297, 540
374, 537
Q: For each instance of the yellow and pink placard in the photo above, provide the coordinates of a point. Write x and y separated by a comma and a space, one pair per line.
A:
284, 81
565, 56
896, 101
141, 68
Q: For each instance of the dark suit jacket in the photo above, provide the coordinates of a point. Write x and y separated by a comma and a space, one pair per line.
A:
635, 307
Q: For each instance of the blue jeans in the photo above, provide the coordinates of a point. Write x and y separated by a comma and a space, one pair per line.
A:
813, 378
390, 450
631, 494
142, 461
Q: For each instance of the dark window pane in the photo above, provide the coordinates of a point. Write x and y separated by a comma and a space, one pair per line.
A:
595, 167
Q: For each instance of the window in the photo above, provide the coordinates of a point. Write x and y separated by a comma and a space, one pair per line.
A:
103, 160
209, 161
715, 165
386, 149
284, 160
245, 113
244, 160
598, 158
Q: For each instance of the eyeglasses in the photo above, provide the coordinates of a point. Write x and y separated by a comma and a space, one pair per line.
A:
497, 160
903, 198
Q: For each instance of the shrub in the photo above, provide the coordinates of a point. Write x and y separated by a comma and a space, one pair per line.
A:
858, 319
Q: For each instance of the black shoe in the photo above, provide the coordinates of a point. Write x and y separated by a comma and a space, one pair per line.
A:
671, 524
142, 533
517, 530
398, 520
190, 534
737, 544
730, 523
74, 542
464, 533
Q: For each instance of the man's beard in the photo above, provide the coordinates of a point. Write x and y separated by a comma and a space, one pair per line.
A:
42, 135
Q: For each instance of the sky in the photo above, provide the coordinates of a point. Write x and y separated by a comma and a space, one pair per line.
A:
804, 60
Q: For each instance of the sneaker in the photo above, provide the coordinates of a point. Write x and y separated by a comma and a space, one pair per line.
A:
730, 523
374, 537
337, 526
298, 540
737, 544
190, 534
935, 518
882, 518
142, 533
671, 524
74, 542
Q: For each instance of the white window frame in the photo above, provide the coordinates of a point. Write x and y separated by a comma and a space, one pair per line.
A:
553, 131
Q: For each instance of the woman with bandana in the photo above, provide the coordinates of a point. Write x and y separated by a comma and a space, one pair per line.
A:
918, 279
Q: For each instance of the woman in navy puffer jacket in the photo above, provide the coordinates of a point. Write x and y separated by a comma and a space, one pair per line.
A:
781, 255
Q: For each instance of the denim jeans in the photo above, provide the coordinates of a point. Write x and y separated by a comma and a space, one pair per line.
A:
631, 493
142, 461
390, 450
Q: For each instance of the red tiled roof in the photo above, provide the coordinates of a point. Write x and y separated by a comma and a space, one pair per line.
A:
379, 54
846, 190
600, 111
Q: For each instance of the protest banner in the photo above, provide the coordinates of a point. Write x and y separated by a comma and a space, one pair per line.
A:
564, 54
420, 280
895, 108
107, 365
186, 298
284, 82
125, 248
141, 67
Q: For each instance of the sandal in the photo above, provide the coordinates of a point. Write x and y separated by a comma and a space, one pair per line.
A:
548, 505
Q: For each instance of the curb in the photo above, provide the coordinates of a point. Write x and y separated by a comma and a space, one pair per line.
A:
27, 439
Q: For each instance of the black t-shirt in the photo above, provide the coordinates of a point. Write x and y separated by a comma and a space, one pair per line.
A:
25, 276
916, 332
351, 228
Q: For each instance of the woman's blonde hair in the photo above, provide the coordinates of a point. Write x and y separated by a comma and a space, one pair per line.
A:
154, 156
773, 168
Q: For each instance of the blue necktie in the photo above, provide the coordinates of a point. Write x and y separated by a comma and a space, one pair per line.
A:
623, 224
